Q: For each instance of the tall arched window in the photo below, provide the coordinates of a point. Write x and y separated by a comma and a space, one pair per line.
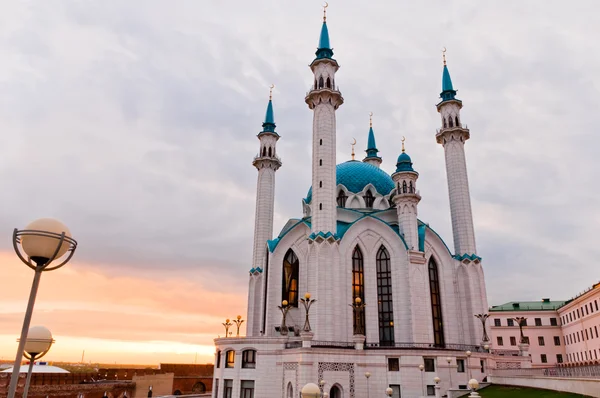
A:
321, 82
369, 199
289, 290
358, 288
341, 199
269, 151
290, 390
444, 119
411, 188
335, 392
328, 83
384, 297
264, 151
404, 187
436, 304
450, 121
456, 120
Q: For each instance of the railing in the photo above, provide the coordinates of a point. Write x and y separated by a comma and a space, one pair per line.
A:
430, 346
293, 344
332, 344
506, 353
590, 371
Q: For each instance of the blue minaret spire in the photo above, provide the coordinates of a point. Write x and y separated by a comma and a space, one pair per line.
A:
269, 123
324, 50
448, 92
372, 151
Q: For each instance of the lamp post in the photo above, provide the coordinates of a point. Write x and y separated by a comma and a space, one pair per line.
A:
436, 380
357, 308
311, 390
284, 308
389, 391
422, 368
227, 324
473, 385
483, 318
238, 322
368, 375
38, 245
150, 392
449, 360
468, 360
321, 386
307, 302
39, 341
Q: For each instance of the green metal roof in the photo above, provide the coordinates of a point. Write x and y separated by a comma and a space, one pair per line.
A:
514, 306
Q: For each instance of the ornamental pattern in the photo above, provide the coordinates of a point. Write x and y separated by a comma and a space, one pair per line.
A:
337, 367
289, 366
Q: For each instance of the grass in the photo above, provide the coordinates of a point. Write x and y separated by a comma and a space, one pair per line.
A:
497, 391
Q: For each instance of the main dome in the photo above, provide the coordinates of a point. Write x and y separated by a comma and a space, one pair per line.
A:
355, 176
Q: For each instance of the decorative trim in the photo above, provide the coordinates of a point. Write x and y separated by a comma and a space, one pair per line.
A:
289, 366
338, 367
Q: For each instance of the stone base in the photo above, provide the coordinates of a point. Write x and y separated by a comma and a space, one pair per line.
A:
359, 341
306, 339
524, 349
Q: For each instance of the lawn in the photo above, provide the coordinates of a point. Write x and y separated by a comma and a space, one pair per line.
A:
518, 392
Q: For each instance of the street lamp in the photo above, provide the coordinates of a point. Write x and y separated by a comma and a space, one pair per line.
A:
150, 392
238, 322
307, 302
474, 385
321, 385
389, 391
367, 375
38, 245
421, 368
468, 360
311, 390
436, 380
449, 360
39, 341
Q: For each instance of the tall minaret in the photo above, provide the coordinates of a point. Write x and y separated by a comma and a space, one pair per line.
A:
372, 151
453, 136
266, 162
324, 98
406, 199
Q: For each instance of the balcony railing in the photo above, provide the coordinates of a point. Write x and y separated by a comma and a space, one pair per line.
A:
428, 346
589, 371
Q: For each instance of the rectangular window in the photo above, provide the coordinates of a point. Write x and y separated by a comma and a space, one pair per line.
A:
570, 316
596, 330
526, 338
429, 364
544, 358
556, 340
587, 312
524, 322
216, 388
541, 340
591, 307
395, 390
553, 322
578, 316
227, 388
559, 358
586, 335
513, 340
500, 341
230, 359
596, 304
460, 365
482, 365
591, 333
393, 364
430, 391
538, 321
595, 354
462, 386
248, 359
578, 338
247, 390
497, 322
510, 322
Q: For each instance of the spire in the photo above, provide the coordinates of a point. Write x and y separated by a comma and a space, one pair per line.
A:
324, 50
269, 123
371, 147
404, 162
448, 92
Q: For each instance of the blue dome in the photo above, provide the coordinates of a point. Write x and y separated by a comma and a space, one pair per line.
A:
355, 176
404, 163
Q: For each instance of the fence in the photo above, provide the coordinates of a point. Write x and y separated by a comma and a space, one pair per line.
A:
590, 371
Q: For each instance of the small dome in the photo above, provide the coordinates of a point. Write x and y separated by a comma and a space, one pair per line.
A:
355, 176
404, 163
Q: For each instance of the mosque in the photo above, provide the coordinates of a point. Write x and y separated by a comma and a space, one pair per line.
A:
358, 295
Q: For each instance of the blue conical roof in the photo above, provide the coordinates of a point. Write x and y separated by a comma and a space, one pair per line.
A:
371, 147
269, 123
448, 92
404, 163
324, 50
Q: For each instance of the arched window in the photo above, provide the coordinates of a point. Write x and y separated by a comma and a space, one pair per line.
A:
320, 184
290, 390
328, 83
403, 186
290, 278
358, 288
199, 388
269, 151
341, 199
411, 188
218, 359
369, 199
320, 162
321, 141
230, 359
456, 120
320, 206
264, 152
436, 304
444, 122
248, 359
450, 121
384, 297
321, 82
335, 392
315, 84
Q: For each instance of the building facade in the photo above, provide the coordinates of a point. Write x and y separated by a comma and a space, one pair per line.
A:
358, 286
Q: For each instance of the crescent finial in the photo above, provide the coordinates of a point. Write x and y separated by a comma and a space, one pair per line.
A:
444, 55
325, 11
403, 139
271, 87
354, 143
370, 119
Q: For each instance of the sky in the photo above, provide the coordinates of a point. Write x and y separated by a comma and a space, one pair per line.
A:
135, 124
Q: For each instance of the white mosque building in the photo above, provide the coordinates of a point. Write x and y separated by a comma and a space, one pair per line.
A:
394, 306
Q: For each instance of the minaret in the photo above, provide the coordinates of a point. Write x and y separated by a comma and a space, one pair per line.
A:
267, 163
324, 98
372, 151
406, 199
453, 136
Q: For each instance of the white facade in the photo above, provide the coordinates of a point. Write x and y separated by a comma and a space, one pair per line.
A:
359, 236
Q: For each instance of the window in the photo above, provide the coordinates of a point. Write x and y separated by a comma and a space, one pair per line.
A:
335, 392
578, 338
216, 387
249, 359
556, 340
596, 330
553, 322
321, 142
497, 322
526, 338
290, 390
218, 359
289, 289
559, 358
544, 358
404, 187
393, 364
524, 322
578, 316
429, 364
436, 304
587, 312
358, 286
247, 389
538, 321
513, 340
462, 386
586, 335
500, 340
430, 390
341, 199
541, 340
482, 365
510, 322
395, 390
460, 365
230, 359
320, 206
596, 304
369, 199
227, 388
384, 297
320, 162
320, 184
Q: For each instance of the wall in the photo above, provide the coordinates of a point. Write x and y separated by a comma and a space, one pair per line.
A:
162, 384
588, 387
